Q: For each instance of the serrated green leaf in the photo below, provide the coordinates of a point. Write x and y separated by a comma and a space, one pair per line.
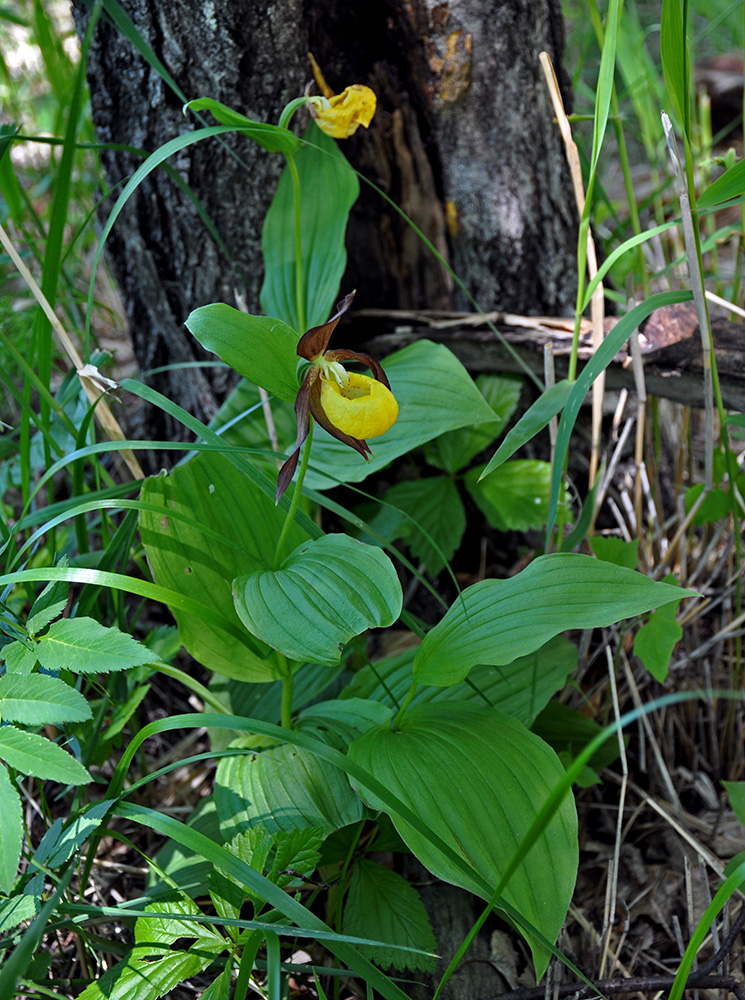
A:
383, 906
14, 911
271, 137
135, 979
328, 189
40, 700
327, 591
11, 831
548, 404
437, 508
19, 659
46, 613
455, 449
60, 842
496, 621
259, 348
516, 497
452, 762
283, 788
33, 755
435, 394
220, 989
615, 550
715, 506
521, 688
158, 932
232, 529
84, 646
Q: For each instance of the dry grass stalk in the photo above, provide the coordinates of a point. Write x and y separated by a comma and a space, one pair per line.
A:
597, 304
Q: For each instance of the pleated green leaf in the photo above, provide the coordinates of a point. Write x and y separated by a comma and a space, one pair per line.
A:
479, 778
521, 688
496, 621
258, 347
282, 787
40, 700
231, 528
435, 394
327, 591
328, 189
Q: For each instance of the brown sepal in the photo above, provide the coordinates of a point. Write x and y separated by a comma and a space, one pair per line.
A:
313, 343
364, 359
320, 417
302, 415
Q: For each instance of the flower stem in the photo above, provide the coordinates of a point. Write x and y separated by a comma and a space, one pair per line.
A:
405, 704
299, 302
279, 551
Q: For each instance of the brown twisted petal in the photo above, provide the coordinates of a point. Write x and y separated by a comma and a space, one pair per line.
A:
320, 417
313, 343
302, 407
364, 359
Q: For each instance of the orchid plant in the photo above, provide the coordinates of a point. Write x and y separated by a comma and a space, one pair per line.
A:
434, 742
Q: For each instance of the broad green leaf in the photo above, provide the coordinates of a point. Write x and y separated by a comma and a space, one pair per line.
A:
383, 906
496, 621
136, 979
731, 184
282, 787
327, 591
437, 508
33, 755
59, 844
328, 189
40, 700
19, 659
516, 497
14, 911
455, 449
11, 831
674, 53
340, 722
655, 641
521, 688
232, 528
84, 646
452, 762
530, 423
259, 348
615, 550
435, 394
273, 138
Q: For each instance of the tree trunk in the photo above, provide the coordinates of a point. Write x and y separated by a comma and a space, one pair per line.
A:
463, 141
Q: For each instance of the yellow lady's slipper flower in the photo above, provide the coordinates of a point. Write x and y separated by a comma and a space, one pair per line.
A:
340, 115
350, 407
